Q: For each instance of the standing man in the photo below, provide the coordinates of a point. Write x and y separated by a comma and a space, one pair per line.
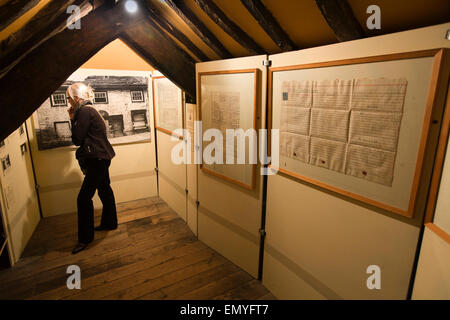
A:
94, 156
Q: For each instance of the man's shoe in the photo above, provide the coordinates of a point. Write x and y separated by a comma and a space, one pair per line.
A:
101, 228
80, 246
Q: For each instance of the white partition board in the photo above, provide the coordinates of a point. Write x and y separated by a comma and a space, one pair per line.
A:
319, 244
172, 177
432, 279
19, 201
442, 211
229, 216
191, 176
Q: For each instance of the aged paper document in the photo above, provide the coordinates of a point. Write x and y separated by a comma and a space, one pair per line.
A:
328, 154
295, 120
330, 124
190, 118
379, 94
372, 164
377, 130
350, 126
332, 94
225, 114
297, 93
295, 146
169, 106
225, 110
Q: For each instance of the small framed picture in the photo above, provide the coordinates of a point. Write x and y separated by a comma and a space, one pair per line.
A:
23, 148
2, 143
21, 130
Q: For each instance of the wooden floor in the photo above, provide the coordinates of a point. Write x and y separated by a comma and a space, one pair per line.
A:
151, 255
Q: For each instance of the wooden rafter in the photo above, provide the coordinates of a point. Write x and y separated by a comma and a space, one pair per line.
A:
170, 28
174, 45
50, 20
43, 70
270, 25
198, 27
219, 17
154, 46
340, 18
14, 9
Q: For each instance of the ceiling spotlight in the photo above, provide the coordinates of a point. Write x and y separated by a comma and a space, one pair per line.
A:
131, 6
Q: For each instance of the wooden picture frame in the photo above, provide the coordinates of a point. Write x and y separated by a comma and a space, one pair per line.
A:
156, 108
436, 66
255, 72
438, 163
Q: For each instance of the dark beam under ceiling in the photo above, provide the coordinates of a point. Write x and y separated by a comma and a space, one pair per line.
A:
30, 82
219, 17
155, 14
50, 19
340, 18
14, 9
198, 27
270, 25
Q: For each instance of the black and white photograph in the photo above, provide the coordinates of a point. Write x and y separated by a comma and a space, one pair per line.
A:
2, 143
21, 130
121, 98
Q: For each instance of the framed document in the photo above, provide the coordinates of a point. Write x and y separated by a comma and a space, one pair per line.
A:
228, 100
167, 105
358, 127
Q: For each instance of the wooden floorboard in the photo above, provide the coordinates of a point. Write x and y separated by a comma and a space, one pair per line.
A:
151, 255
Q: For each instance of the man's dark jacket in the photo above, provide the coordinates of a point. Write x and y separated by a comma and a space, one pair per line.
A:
89, 132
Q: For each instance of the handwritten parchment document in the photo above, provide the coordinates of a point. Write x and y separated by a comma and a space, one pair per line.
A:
225, 114
349, 126
190, 118
225, 111
170, 114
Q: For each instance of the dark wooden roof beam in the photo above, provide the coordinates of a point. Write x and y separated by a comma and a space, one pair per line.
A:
340, 18
14, 9
156, 47
50, 20
170, 28
30, 82
270, 25
219, 17
198, 27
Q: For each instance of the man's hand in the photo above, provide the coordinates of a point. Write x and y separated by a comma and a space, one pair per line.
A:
71, 113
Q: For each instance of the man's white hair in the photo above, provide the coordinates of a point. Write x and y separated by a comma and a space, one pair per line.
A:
82, 91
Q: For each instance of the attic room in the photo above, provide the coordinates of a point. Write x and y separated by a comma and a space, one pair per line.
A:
250, 150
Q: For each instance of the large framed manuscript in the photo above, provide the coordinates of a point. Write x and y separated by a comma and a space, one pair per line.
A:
167, 105
228, 101
357, 127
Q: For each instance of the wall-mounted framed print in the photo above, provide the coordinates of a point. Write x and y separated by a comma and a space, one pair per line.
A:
121, 97
228, 100
358, 127
167, 105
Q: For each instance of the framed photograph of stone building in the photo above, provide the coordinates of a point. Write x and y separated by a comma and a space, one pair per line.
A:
121, 98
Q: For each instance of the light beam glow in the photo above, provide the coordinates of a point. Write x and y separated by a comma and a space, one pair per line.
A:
131, 6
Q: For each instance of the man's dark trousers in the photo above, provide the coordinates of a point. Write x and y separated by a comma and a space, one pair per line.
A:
96, 178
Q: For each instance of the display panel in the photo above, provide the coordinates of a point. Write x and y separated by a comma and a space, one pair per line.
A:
168, 105
357, 127
118, 96
228, 101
